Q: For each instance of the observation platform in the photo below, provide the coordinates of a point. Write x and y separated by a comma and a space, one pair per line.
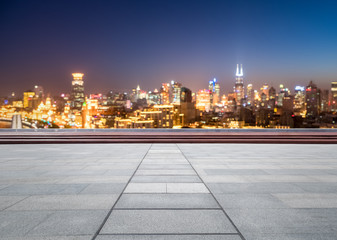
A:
168, 191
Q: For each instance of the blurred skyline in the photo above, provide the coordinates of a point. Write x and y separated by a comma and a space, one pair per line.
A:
119, 44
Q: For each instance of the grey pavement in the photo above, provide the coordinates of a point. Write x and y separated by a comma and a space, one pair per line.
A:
168, 192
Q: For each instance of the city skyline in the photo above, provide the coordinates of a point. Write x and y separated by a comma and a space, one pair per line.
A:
223, 91
121, 44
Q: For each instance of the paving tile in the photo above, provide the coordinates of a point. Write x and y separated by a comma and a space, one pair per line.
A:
164, 166
308, 200
120, 172
235, 172
186, 188
167, 201
146, 188
63, 223
41, 189
280, 178
66, 202
166, 179
283, 221
319, 187
87, 237
254, 188
167, 221
103, 188
94, 179
16, 224
290, 236
7, 201
225, 179
169, 237
164, 151
166, 172
165, 161
244, 200
294, 171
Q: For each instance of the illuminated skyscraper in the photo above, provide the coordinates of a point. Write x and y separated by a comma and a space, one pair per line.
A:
165, 93
77, 92
214, 89
203, 101
28, 97
333, 96
39, 91
137, 92
250, 95
265, 90
312, 101
176, 91
239, 89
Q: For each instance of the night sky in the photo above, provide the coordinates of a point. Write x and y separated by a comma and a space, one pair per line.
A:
119, 44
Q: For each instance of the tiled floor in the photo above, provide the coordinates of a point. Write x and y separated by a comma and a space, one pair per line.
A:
168, 191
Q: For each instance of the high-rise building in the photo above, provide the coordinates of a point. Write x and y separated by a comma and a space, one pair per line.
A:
28, 97
284, 92
176, 90
272, 93
186, 95
250, 95
77, 92
214, 89
165, 93
265, 90
137, 93
203, 101
187, 107
299, 101
239, 89
153, 97
39, 91
216, 92
312, 99
333, 96
325, 100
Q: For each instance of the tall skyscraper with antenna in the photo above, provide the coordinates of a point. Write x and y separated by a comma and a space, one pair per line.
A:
239, 89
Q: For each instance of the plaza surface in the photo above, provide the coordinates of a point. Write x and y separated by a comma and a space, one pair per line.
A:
168, 191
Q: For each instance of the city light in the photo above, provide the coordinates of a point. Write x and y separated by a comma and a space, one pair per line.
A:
176, 106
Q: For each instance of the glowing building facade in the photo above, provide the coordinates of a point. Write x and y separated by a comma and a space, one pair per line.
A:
77, 92
333, 96
214, 89
239, 89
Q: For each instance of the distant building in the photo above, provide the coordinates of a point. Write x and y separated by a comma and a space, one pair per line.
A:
29, 100
39, 92
265, 90
250, 95
312, 99
325, 101
203, 101
214, 89
299, 101
161, 115
165, 93
284, 92
239, 89
186, 95
334, 96
154, 97
176, 90
187, 107
77, 92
